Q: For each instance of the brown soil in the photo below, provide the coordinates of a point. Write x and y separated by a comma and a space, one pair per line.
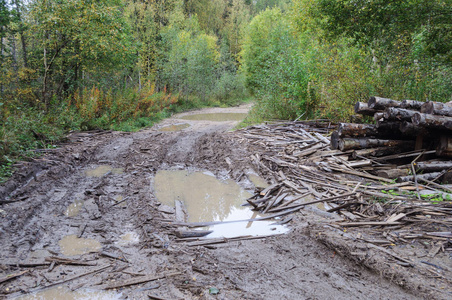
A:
291, 266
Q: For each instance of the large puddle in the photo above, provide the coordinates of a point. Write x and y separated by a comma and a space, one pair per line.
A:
208, 199
72, 245
63, 293
218, 117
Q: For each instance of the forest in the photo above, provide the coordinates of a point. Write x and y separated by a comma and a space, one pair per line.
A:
124, 64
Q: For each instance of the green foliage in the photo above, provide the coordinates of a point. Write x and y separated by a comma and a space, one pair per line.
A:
275, 68
320, 57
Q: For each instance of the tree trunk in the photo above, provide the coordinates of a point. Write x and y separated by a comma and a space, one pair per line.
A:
412, 104
334, 140
437, 108
362, 109
432, 121
428, 176
398, 114
24, 49
362, 143
381, 103
352, 129
433, 166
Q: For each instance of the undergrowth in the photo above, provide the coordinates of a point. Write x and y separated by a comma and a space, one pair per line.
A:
27, 128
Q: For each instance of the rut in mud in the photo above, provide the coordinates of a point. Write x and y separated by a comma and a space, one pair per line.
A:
94, 201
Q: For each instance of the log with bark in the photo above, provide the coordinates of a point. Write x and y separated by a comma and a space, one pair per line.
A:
379, 103
432, 121
437, 108
362, 143
363, 109
398, 114
428, 176
356, 130
412, 104
433, 166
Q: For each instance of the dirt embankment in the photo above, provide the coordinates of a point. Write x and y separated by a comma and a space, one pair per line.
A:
95, 195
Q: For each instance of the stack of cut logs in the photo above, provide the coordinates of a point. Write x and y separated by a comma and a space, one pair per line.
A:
400, 127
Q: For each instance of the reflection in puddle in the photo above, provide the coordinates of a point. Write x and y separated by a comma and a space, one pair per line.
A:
209, 199
72, 245
73, 209
257, 181
175, 127
103, 170
219, 117
62, 293
128, 238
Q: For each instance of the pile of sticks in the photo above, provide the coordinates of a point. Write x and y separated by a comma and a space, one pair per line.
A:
408, 137
296, 158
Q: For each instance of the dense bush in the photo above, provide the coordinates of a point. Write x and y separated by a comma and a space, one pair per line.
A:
321, 56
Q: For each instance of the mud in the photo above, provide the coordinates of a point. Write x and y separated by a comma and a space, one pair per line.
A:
114, 174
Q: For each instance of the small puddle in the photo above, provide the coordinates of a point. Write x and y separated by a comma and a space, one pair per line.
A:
208, 199
72, 245
175, 127
218, 117
103, 170
73, 209
128, 238
63, 293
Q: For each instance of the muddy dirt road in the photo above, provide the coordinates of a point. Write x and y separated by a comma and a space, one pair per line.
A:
86, 221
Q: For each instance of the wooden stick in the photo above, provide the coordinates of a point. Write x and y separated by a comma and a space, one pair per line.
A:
12, 276
144, 279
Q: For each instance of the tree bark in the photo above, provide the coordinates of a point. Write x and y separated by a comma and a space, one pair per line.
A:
428, 176
412, 104
363, 109
362, 143
398, 114
352, 129
437, 108
433, 166
409, 129
334, 140
378, 116
432, 121
381, 103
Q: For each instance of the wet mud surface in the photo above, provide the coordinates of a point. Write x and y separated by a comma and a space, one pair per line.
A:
83, 220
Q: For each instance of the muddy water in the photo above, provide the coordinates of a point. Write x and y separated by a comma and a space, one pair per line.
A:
175, 127
209, 199
63, 293
218, 117
103, 170
257, 181
73, 209
72, 245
